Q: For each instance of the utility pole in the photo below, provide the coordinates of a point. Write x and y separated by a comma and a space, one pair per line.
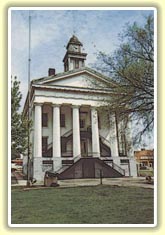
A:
29, 63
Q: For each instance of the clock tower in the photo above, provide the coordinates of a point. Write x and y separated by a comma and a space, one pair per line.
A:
74, 58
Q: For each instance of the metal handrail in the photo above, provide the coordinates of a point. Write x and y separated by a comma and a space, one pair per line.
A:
117, 168
104, 140
105, 157
68, 132
112, 164
75, 159
65, 167
49, 145
69, 153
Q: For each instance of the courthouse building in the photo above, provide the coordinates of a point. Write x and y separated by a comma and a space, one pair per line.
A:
72, 134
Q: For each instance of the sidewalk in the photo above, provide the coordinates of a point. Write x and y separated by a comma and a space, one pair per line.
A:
124, 181
128, 181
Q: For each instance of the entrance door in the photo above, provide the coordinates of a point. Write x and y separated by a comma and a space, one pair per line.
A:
84, 148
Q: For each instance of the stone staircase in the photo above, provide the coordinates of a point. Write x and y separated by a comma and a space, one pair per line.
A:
89, 167
104, 144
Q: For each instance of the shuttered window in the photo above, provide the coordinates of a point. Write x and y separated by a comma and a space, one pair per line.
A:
44, 119
62, 120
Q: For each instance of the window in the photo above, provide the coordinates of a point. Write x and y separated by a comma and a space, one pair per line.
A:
124, 161
82, 123
44, 119
44, 144
83, 119
76, 63
47, 161
62, 120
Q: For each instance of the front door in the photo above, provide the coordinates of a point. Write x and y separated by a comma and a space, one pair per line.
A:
84, 147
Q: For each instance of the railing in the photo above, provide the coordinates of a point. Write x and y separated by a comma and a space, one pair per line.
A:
117, 168
67, 154
75, 159
112, 164
66, 134
61, 169
78, 157
105, 141
105, 157
64, 167
49, 146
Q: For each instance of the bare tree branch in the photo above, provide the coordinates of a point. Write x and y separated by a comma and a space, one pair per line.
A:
131, 68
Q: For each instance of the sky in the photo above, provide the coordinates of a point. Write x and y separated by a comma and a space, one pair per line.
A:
51, 30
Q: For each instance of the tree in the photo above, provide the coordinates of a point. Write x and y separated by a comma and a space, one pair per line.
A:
19, 123
131, 68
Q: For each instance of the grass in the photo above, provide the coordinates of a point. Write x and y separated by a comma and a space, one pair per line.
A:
83, 205
145, 173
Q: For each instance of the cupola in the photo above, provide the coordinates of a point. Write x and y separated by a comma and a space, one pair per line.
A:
74, 57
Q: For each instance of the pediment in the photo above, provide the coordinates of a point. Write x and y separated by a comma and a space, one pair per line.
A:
83, 78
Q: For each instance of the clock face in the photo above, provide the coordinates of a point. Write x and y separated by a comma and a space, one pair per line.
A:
74, 48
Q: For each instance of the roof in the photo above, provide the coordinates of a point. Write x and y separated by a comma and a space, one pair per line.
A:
42, 83
47, 79
144, 152
74, 40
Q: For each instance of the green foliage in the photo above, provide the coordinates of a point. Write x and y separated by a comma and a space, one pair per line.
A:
131, 68
19, 123
83, 205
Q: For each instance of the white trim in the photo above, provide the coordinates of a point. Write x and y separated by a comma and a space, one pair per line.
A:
85, 70
57, 87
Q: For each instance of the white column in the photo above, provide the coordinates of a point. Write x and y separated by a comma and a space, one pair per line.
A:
56, 131
38, 131
113, 136
69, 64
133, 167
76, 131
95, 133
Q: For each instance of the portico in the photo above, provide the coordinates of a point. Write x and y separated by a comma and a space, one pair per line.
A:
90, 121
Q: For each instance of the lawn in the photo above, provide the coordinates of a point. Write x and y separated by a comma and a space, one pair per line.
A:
83, 205
145, 173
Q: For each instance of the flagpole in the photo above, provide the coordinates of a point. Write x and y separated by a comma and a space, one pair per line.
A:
29, 69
